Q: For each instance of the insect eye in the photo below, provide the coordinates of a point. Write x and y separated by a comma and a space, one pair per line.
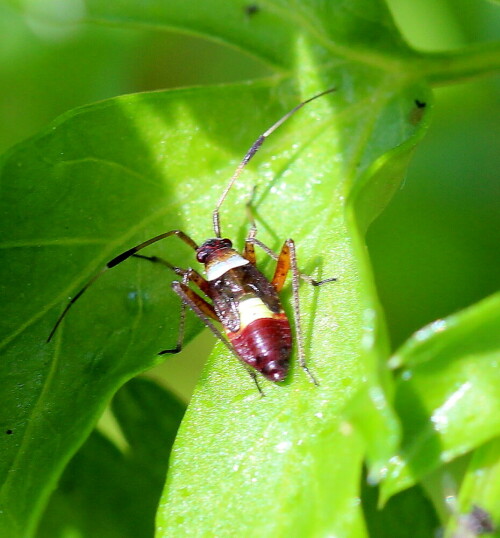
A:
227, 243
201, 256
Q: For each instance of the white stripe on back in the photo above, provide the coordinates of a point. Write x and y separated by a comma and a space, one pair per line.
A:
217, 269
252, 309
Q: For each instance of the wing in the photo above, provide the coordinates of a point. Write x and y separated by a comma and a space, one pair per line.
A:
235, 284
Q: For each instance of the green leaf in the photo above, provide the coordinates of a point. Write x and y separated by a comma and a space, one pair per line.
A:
359, 31
409, 509
478, 506
108, 176
120, 161
447, 393
149, 418
109, 492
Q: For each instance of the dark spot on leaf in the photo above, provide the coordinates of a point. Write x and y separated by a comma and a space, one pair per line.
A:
9, 432
417, 112
252, 9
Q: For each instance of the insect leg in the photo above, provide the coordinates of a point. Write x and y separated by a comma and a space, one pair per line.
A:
203, 306
275, 257
205, 311
282, 266
117, 260
188, 275
162, 261
250, 216
194, 276
249, 252
198, 305
182, 325
288, 259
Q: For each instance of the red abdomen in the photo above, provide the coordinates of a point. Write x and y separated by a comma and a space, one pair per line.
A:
265, 344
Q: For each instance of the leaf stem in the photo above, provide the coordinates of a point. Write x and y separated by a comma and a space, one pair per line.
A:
451, 67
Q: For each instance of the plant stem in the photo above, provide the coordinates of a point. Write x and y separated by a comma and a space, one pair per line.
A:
456, 66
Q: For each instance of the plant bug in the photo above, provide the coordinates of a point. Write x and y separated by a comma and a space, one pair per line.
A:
243, 300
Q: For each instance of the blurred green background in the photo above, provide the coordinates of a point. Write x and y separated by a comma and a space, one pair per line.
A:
434, 250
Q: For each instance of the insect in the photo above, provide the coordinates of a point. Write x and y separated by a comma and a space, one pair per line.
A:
243, 300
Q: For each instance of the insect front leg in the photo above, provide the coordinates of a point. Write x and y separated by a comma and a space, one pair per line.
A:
190, 298
193, 276
188, 275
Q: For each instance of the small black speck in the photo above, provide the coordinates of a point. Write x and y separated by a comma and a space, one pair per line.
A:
420, 104
9, 432
252, 9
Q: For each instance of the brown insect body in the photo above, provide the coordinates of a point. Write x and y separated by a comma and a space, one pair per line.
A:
243, 301
266, 345
249, 309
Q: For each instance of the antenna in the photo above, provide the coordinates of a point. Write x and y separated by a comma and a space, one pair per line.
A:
251, 152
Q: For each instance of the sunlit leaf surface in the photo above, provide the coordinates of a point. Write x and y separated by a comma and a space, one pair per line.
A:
107, 176
447, 393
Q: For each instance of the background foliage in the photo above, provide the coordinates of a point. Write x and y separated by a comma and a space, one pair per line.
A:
434, 250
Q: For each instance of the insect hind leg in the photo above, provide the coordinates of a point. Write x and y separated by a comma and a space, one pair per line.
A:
197, 304
288, 259
206, 313
286, 262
